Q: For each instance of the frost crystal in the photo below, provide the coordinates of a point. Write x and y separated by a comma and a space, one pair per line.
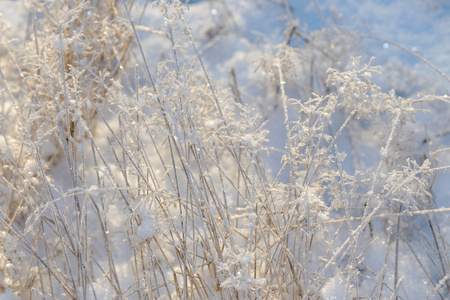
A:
60, 43
384, 153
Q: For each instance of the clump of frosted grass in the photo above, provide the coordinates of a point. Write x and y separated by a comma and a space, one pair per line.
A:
151, 182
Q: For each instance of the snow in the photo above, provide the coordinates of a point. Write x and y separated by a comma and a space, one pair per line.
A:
147, 230
334, 289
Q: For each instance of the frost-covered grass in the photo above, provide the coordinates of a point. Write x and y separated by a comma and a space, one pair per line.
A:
133, 167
